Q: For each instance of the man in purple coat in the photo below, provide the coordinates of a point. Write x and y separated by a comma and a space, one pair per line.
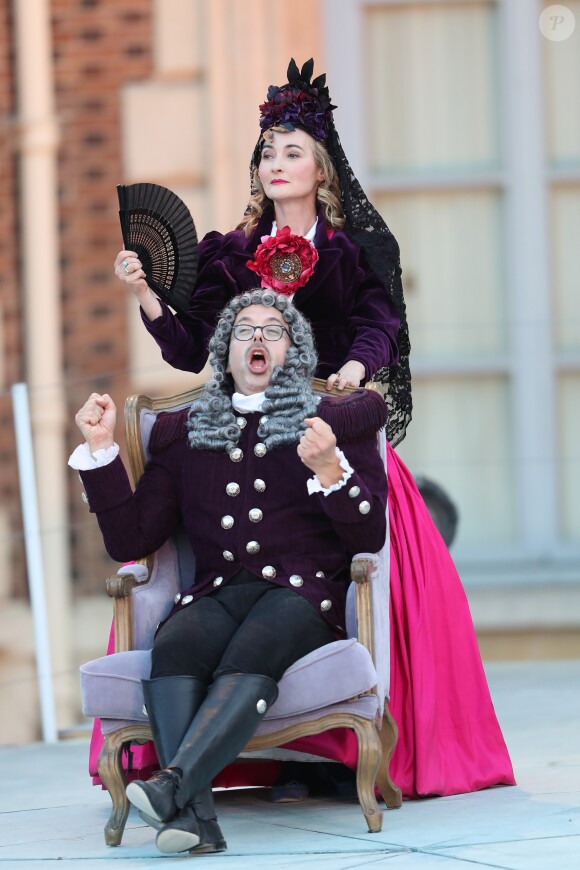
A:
277, 490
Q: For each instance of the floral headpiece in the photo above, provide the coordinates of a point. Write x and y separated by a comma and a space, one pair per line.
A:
284, 262
299, 103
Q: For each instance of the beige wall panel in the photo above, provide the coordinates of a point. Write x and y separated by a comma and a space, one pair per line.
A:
162, 131
249, 46
451, 258
460, 438
195, 199
562, 67
179, 36
564, 226
150, 374
5, 556
569, 459
431, 75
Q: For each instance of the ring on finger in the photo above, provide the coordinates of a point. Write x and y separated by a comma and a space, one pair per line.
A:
125, 266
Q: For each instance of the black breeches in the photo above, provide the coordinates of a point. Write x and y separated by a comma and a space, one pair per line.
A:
249, 626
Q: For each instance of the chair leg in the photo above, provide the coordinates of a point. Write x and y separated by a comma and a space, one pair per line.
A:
110, 769
369, 757
388, 734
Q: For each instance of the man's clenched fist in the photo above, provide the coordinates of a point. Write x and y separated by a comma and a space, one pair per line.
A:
96, 420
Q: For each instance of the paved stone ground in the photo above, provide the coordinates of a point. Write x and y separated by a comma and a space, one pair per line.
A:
49, 812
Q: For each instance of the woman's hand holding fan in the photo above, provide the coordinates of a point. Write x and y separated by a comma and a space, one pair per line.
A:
161, 252
129, 269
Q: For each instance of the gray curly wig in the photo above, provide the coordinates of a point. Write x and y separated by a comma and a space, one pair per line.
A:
212, 422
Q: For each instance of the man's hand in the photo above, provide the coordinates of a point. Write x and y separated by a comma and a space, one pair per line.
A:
317, 450
96, 420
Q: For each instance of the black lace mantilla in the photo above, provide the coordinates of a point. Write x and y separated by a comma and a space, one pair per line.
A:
366, 227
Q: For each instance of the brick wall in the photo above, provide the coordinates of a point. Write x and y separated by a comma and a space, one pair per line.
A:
98, 46
11, 549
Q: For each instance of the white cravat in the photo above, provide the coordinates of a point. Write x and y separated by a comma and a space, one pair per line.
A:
247, 404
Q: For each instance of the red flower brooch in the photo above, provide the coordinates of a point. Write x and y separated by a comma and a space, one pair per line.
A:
284, 262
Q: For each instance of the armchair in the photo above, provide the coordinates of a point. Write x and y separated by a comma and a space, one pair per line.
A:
343, 684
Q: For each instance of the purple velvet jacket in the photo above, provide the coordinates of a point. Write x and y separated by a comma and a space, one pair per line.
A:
351, 312
308, 540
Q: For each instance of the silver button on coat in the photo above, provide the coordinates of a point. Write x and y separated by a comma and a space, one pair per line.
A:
255, 515
237, 454
296, 580
233, 489
260, 449
252, 547
259, 485
261, 706
364, 507
177, 598
263, 419
227, 522
228, 556
242, 422
187, 599
218, 581
268, 572
321, 575
354, 491
326, 604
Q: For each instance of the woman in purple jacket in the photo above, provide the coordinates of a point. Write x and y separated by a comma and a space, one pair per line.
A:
352, 296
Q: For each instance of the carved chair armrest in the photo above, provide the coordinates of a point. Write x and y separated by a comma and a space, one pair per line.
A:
362, 570
120, 589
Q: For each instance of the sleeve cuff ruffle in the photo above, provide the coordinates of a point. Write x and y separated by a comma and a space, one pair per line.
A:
83, 460
314, 484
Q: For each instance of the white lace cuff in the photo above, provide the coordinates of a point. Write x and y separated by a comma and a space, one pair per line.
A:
83, 460
314, 484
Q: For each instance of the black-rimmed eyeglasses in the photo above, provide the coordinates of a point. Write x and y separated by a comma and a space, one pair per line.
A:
270, 332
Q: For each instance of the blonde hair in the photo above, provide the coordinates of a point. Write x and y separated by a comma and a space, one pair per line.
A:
327, 195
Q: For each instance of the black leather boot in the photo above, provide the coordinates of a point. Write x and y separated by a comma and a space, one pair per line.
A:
199, 815
171, 705
233, 709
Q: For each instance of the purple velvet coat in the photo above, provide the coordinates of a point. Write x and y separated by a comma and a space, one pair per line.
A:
351, 312
308, 540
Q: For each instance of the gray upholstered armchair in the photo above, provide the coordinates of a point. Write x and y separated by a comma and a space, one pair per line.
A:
343, 684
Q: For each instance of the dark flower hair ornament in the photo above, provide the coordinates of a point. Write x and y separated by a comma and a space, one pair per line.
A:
299, 103
284, 262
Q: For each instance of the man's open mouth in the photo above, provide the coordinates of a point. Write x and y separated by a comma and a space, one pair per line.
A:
257, 361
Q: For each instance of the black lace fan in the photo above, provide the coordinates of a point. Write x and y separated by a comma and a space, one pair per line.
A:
158, 226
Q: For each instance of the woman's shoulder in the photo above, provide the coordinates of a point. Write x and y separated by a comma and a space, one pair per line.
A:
356, 415
216, 245
351, 252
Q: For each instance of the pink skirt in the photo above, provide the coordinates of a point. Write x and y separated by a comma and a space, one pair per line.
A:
450, 741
